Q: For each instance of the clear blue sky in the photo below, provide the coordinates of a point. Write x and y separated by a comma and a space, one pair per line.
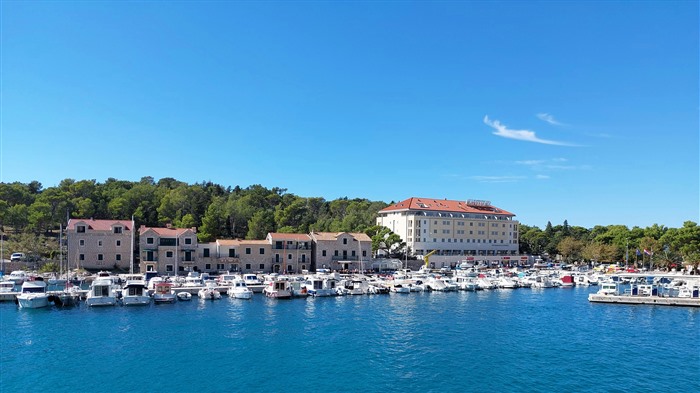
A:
586, 111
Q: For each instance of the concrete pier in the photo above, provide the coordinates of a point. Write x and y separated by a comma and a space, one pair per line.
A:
649, 300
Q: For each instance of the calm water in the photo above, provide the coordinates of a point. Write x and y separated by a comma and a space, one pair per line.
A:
506, 340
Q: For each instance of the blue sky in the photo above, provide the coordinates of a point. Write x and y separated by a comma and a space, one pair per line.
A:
572, 110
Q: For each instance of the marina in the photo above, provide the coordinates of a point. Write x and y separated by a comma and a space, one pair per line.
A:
498, 340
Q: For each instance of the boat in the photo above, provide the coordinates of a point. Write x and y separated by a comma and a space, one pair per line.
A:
18, 277
209, 292
278, 289
8, 291
33, 294
103, 292
184, 296
609, 288
320, 285
399, 288
135, 293
193, 280
227, 279
68, 297
240, 290
164, 292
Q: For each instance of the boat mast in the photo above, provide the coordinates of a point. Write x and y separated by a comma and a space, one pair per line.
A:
131, 255
60, 250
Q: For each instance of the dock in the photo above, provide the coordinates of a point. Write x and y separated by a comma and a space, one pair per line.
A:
647, 300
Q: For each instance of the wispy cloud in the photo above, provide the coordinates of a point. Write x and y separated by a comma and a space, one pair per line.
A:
542, 177
546, 117
521, 135
498, 179
553, 164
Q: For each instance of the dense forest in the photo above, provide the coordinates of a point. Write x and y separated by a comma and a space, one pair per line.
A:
30, 217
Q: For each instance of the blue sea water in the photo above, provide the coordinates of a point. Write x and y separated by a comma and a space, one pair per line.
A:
500, 341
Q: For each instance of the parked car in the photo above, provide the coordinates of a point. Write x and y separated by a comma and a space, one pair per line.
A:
16, 257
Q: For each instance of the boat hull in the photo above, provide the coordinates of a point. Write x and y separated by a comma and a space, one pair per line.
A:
33, 300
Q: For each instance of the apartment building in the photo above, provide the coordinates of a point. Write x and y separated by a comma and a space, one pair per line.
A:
99, 244
341, 250
455, 228
291, 252
168, 250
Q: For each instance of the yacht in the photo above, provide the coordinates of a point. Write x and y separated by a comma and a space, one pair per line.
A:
33, 294
135, 293
103, 292
320, 286
240, 290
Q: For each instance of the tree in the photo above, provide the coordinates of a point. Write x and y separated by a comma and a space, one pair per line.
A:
570, 248
262, 223
383, 239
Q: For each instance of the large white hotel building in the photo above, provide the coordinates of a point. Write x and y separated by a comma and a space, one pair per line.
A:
455, 228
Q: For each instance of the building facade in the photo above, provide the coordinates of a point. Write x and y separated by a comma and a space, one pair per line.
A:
168, 250
453, 228
99, 244
341, 251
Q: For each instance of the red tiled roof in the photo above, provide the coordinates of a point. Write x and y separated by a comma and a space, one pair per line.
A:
444, 205
98, 225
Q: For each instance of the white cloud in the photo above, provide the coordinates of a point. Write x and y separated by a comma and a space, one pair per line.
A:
549, 119
542, 177
498, 179
521, 135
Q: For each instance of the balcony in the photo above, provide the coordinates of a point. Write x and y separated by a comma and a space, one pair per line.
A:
346, 258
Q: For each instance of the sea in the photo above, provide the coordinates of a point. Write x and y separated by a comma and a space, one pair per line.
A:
522, 340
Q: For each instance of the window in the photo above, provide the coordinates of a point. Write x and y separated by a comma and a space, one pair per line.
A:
82, 257
247, 266
82, 242
364, 253
231, 252
188, 240
323, 253
289, 257
117, 230
169, 254
80, 229
353, 253
149, 240
247, 251
99, 243
205, 253
119, 243
345, 241
168, 242
335, 253
207, 266
262, 266
262, 251
220, 266
100, 257
168, 268
119, 257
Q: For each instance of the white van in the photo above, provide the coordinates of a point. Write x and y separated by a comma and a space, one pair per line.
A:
16, 257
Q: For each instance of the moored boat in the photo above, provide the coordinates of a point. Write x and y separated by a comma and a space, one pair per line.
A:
164, 292
102, 293
33, 294
240, 290
135, 293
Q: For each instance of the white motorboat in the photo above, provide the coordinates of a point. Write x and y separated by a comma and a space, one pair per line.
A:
103, 292
164, 292
193, 279
7, 290
135, 293
321, 286
399, 288
33, 294
209, 292
240, 290
184, 296
18, 277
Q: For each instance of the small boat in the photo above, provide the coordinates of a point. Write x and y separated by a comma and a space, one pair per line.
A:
240, 290
68, 297
135, 293
209, 292
33, 294
321, 286
399, 288
278, 289
184, 296
164, 292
